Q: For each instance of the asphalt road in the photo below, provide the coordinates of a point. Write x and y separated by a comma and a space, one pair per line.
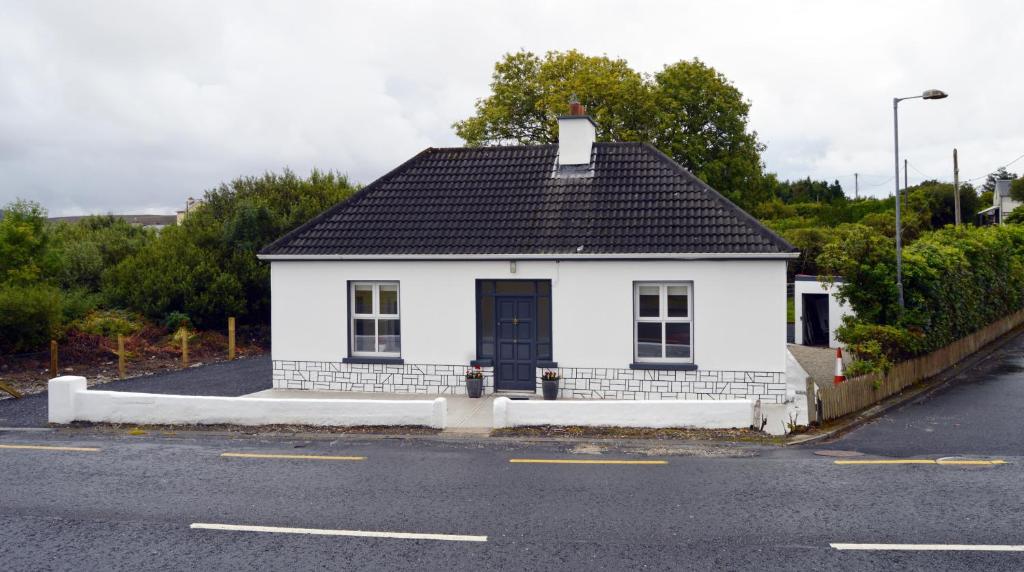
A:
230, 379
981, 412
131, 504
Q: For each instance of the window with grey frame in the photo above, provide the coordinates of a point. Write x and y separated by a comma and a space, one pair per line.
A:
662, 322
375, 320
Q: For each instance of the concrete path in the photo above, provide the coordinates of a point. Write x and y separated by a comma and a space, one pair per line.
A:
818, 362
465, 415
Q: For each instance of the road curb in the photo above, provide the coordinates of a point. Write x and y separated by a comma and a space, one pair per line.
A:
920, 390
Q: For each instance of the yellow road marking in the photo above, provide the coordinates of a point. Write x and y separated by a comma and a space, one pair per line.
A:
302, 457
921, 462
585, 462
51, 448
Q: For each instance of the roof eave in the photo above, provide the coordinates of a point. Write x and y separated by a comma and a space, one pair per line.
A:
554, 256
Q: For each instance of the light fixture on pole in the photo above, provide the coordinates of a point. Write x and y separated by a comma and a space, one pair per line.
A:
928, 94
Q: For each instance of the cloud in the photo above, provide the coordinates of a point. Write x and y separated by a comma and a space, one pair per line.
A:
132, 106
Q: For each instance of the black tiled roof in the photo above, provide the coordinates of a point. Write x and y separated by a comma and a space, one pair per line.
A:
513, 200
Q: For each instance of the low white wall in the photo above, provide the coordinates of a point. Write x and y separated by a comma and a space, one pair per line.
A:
705, 414
69, 400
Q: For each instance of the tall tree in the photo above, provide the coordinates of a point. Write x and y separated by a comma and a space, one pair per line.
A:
688, 110
703, 124
529, 92
1000, 174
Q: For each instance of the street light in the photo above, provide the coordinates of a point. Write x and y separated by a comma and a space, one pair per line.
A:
928, 94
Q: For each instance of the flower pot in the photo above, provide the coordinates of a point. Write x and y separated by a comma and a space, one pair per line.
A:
550, 387
474, 386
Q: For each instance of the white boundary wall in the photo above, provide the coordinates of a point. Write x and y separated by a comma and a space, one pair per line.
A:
704, 414
69, 400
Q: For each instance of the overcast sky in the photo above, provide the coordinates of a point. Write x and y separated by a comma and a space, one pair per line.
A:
134, 106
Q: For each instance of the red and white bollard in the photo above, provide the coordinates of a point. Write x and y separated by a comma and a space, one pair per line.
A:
839, 367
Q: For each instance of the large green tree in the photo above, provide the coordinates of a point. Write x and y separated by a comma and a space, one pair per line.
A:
207, 267
688, 110
703, 124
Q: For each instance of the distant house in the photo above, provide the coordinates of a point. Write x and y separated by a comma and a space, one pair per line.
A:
190, 205
146, 221
1002, 204
606, 262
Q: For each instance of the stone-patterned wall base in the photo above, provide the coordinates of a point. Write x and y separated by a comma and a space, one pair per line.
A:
602, 383
576, 383
430, 379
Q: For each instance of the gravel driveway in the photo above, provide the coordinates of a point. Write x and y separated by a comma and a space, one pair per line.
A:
229, 379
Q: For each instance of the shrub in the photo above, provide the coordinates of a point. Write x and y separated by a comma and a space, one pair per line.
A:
29, 317
176, 320
76, 304
109, 323
956, 281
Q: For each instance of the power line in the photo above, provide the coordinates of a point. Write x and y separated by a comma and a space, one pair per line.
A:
919, 171
996, 170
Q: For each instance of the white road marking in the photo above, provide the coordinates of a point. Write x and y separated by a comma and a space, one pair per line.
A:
949, 547
51, 448
330, 532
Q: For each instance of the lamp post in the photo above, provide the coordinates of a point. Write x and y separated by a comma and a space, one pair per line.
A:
928, 94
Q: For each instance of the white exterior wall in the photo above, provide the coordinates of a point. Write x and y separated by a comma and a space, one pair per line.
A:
836, 309
738, 317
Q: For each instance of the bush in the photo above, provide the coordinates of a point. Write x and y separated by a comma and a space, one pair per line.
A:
956, 281
109, 323
29, 317
76, 304
176, 320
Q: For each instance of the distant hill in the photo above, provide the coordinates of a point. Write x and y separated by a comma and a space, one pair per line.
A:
141, 219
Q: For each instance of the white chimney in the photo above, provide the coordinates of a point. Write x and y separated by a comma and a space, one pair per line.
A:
577, 133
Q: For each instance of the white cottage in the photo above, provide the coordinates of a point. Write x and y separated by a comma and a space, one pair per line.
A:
607, 262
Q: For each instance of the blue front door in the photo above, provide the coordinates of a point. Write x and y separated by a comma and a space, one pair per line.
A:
516, 362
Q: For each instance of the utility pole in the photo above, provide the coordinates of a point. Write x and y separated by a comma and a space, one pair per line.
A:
856, 186
905, 185
956, 189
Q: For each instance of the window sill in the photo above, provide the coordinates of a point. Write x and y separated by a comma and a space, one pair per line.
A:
487, 362
664, 366
547, 364
374, 360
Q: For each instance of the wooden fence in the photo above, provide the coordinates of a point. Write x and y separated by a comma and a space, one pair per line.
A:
861, 392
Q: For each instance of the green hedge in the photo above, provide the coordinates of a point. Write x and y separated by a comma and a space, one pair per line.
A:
956, 281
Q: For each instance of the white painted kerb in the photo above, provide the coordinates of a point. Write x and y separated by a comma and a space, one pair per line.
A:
69, 400
705, 414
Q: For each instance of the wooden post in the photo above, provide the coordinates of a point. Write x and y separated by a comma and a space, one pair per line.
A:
53, 358
184, 346
812, 402
120, 356
231, 338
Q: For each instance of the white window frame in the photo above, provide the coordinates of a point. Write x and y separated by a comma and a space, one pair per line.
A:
376, 316
663, 318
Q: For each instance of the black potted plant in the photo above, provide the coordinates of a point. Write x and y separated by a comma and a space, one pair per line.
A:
549, 381
475, 381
